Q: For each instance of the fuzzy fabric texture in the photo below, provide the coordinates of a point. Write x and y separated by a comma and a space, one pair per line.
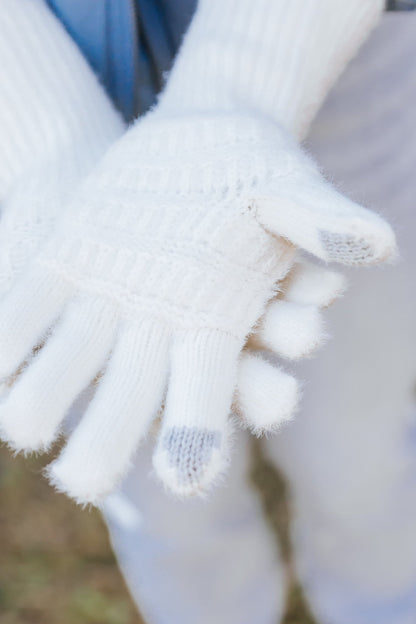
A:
167, 299
166, 258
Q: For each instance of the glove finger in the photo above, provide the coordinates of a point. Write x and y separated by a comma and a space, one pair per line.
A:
192, 450
266, 396
128, 397
315, 217
26, 315
290, 330
70, 359
292, 325
311, 284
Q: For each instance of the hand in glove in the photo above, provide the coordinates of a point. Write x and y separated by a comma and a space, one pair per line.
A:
167, 299
158, 272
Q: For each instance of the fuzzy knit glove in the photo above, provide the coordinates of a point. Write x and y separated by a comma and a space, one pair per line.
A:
172, 293
76, 124
159, 271
48, 148
292, 327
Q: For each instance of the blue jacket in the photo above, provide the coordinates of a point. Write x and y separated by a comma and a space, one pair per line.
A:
129, 43
132, 43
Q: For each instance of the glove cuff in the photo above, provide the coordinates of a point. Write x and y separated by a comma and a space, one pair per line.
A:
273, 57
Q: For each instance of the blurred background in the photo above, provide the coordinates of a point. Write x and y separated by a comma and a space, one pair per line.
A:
56, 562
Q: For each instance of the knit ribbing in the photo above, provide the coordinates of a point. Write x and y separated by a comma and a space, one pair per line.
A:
55, 123
50, 99
274, 57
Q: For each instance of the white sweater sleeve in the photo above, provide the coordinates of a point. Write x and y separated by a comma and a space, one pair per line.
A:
278, 58
56, 122
50, 99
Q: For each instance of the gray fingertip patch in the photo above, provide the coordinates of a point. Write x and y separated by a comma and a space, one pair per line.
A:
347, 249
189, 451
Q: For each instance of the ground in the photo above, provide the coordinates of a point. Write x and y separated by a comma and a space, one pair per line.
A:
56, 564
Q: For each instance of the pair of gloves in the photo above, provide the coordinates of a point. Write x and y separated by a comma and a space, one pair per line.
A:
160, 260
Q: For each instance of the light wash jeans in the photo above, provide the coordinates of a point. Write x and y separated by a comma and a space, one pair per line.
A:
350, 455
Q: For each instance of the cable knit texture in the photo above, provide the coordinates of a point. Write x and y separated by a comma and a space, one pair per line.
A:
168, 253
197, 257
43, 178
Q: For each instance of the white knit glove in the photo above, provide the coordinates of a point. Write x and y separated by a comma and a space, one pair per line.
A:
37, 176
158, 270
291, 328
166, 264
50, 145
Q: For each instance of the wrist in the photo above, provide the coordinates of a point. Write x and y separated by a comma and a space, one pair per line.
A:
272, 57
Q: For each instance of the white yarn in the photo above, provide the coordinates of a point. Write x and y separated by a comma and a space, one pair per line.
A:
267, 396
275, 58
55, 123
170, 252
309, 284
294, 331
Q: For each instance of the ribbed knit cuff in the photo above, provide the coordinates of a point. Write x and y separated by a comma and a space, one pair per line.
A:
277, 58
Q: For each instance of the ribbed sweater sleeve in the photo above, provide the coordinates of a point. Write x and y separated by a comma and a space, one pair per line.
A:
50, 98
278, 58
